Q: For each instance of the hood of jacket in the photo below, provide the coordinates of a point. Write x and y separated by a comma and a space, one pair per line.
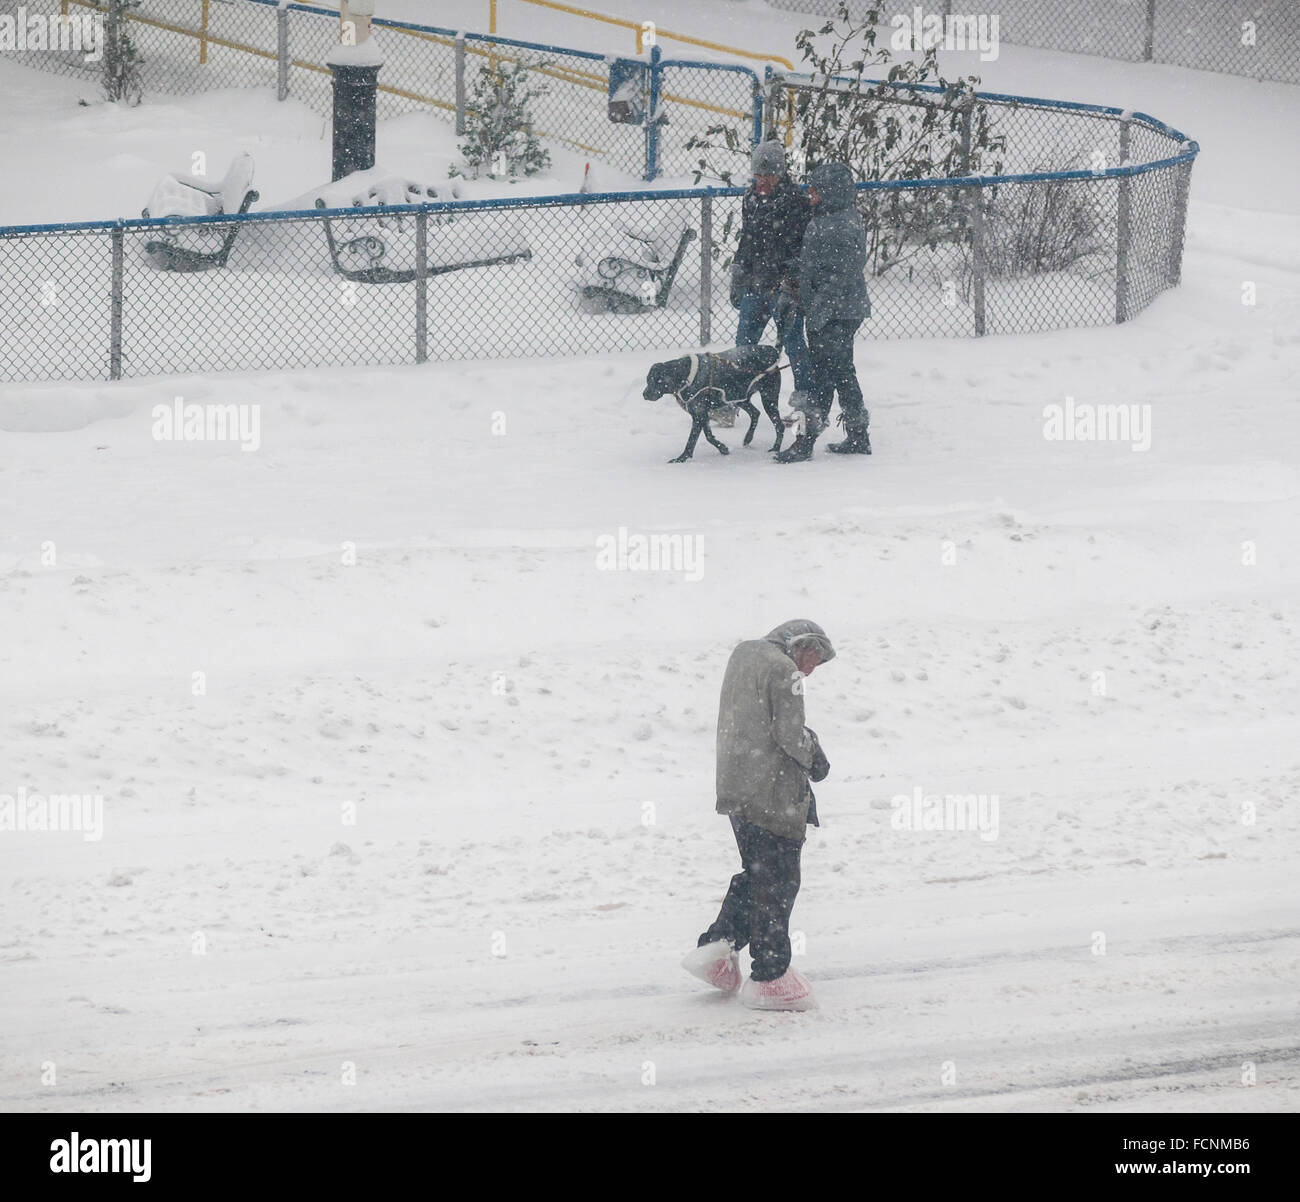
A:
800, 631
834, 184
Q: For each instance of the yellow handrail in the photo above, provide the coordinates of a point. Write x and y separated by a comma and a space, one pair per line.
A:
640, 30
570, 75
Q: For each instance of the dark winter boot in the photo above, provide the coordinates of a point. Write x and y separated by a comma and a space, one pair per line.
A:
798, 451
855, 444
858, 441
802, 447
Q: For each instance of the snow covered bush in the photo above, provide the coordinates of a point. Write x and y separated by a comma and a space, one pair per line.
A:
498, 124
1033, 228
121, 63
896, 129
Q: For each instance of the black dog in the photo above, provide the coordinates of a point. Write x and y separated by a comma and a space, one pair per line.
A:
707, 382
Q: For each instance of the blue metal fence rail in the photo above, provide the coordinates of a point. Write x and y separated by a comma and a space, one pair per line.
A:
281, 280
569, 199
281, 302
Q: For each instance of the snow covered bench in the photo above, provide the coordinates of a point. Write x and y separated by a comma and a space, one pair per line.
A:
197, 248
383, 252
641, 277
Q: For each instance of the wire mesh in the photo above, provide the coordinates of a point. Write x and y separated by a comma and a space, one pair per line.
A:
1111, 28
571, 109
58, 54
1256, 38
278, 303
56, 315
1049, 255
567, 276
1047, 137
608, 274
587, 261
590, 274
1014, 255
183, 46
310, 36
1156, 237
190, 46
697, 98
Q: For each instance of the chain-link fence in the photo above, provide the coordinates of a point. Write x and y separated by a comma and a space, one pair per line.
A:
1077, 218
189, 46
695, 98
570, 108
183, 46
561, 276
1255, 38
477, 279
1051, 215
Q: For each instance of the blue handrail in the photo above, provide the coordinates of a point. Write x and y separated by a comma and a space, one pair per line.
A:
567, 199
1037, 101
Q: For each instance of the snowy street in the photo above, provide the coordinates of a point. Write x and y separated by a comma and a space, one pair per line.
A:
526, 740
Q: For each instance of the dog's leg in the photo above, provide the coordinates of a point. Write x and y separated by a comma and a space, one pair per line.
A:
753, 419
708, 433
770, 394
696, 426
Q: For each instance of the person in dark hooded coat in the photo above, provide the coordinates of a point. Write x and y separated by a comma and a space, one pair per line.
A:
833, 296
766, 757
773, 215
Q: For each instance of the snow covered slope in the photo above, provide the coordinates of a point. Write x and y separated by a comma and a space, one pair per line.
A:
524, 741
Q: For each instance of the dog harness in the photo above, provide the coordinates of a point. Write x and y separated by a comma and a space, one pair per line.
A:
709, 386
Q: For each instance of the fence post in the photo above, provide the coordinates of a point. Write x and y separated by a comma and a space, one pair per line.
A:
421, 285
203, 35
1149, 45
706, 269
1180, 222
652, 126
115, 319
758, 110
977, 261
282, 54
112, 27
460, 85
975, 203
1123, 228
965, 136
771, 99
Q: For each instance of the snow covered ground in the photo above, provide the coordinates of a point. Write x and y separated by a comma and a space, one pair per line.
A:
435, 825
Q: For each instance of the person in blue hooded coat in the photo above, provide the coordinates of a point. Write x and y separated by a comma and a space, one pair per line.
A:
833, 296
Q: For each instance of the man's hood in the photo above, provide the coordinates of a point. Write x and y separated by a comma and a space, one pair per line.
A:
834, 183
800, 632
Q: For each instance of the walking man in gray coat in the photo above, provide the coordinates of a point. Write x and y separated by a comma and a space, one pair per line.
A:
766, 756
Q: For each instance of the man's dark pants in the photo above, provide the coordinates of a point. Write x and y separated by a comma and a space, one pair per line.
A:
756, 310
831, 352
756, 910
